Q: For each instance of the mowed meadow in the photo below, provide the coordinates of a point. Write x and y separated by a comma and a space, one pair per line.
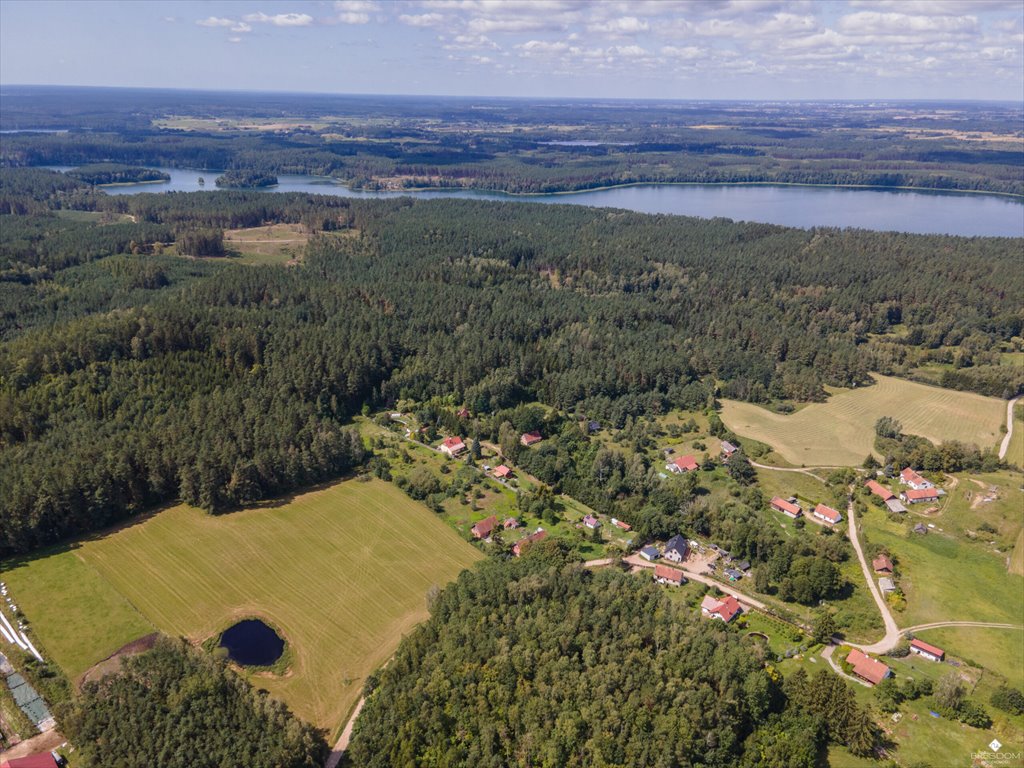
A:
841, 431
343, 572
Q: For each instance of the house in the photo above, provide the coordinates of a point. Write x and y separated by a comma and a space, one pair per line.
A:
526, 541
501, 472
682, 464
591, 522
886, 584
743, 565
866, 668
879, 490
452, 446
827, 514
663, 574
463, 413
789, 508
914, 480
930, 652
622, 525
895, 505
484, 528
882, 564
921, 529
733, 574
39, 760
917, 495
676, 549
510, 523
724, 609
728, 449
593, 426
530, 438
650, 553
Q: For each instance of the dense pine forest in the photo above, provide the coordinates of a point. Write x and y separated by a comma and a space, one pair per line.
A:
130, 375
540, 662
176, 707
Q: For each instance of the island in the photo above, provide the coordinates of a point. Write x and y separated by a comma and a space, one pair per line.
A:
245, 179
101, 174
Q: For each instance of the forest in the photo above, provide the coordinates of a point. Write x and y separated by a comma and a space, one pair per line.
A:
538, 661
130, 375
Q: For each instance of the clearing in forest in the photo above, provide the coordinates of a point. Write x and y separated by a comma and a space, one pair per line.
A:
270, 244
841, 431
342, 571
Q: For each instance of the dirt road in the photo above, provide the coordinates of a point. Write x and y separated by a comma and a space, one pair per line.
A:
892, 632
1005, 445
638, 562
345, 738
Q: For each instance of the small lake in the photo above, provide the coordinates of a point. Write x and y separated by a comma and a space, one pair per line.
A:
943, 213
252, 643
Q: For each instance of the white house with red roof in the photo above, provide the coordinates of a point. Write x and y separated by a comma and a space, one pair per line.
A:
664, 574
622, 525
918, 495
452, 446
930, 652
909, 477
787, 507
827, 514
866, 668
484, 528
880, 490
591, 522
724, 609
530, 438
502, 472
682, 464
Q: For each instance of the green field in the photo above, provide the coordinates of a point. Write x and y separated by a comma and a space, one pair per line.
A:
841, 431
342, 571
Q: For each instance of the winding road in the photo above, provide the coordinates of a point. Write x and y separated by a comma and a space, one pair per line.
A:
892, 632
1005, 445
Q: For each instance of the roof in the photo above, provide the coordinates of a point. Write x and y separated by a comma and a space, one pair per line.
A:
671, 574
864, 666
732, 573
914, 494
452, 443
728, 607
510, 522
780, 503
909, 476
502, 471
894, 505
920, 528
485, 526
922, 645
40, 760
527, 540
828, 513
679, 544
728, 447
591, 521
529, 438
880, 490
622, 525
649, 551
882, 563
886, 585
686, 462
709, 603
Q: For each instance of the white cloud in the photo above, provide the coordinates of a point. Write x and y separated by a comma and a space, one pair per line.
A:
873, 24
469, 43
280, 19
213, 21
422, 19
624, 25
686, 53
241, 27
542, 47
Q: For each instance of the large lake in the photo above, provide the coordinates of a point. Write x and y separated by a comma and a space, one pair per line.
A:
879, 209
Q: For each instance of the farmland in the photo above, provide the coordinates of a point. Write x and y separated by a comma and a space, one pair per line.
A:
343, 571
841, 430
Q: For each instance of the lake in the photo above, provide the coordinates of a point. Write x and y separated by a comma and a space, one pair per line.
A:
252, 643
945, 213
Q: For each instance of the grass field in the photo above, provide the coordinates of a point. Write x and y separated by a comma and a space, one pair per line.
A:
841, 431
343, 571
999, 650
269, 245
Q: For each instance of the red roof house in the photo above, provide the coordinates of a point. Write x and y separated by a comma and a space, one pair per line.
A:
724, 609
484, 528
827, 514
591, 522
453, 446
882, 564
664, 574
463, 413
40, 760
622, 525
530, 438
880, 490
510, 522
501, 472
523, 543
909, 477
917, 495
866, 668
786, 507
682, 464
922, 648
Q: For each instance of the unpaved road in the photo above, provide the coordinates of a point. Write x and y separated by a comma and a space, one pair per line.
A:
346, 736
1005, 445
44, 742
638, 562
892, 632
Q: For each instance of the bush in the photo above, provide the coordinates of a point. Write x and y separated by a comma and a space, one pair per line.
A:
1008, 699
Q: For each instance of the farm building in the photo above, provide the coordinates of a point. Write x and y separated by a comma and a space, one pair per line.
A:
882, 564
530, 438
886, 584
895, 505
622, 525
827, 514
663, 574
501, 472
910, 478
676, 549
650, 553
452, 446
866, 668
591, 522
743, 565
787, 507
724, 609
930, 652
522, 544
879, 490
728, 449
682, 464
510, 523
484, 528
918, 495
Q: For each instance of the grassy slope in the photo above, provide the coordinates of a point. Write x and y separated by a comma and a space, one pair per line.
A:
841, 430
342, 571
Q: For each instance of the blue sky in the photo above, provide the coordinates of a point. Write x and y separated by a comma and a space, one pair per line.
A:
766, 49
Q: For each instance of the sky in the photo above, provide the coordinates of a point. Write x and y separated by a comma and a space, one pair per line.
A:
673, 49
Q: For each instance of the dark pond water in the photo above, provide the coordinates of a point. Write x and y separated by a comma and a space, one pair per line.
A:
252, 643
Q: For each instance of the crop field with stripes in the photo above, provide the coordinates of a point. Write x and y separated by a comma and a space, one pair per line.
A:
841, 431
343, 572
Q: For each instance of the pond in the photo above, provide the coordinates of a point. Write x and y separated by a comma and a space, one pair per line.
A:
252, 643
919, 212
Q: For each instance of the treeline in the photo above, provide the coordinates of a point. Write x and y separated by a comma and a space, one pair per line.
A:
538, 661
177, 708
